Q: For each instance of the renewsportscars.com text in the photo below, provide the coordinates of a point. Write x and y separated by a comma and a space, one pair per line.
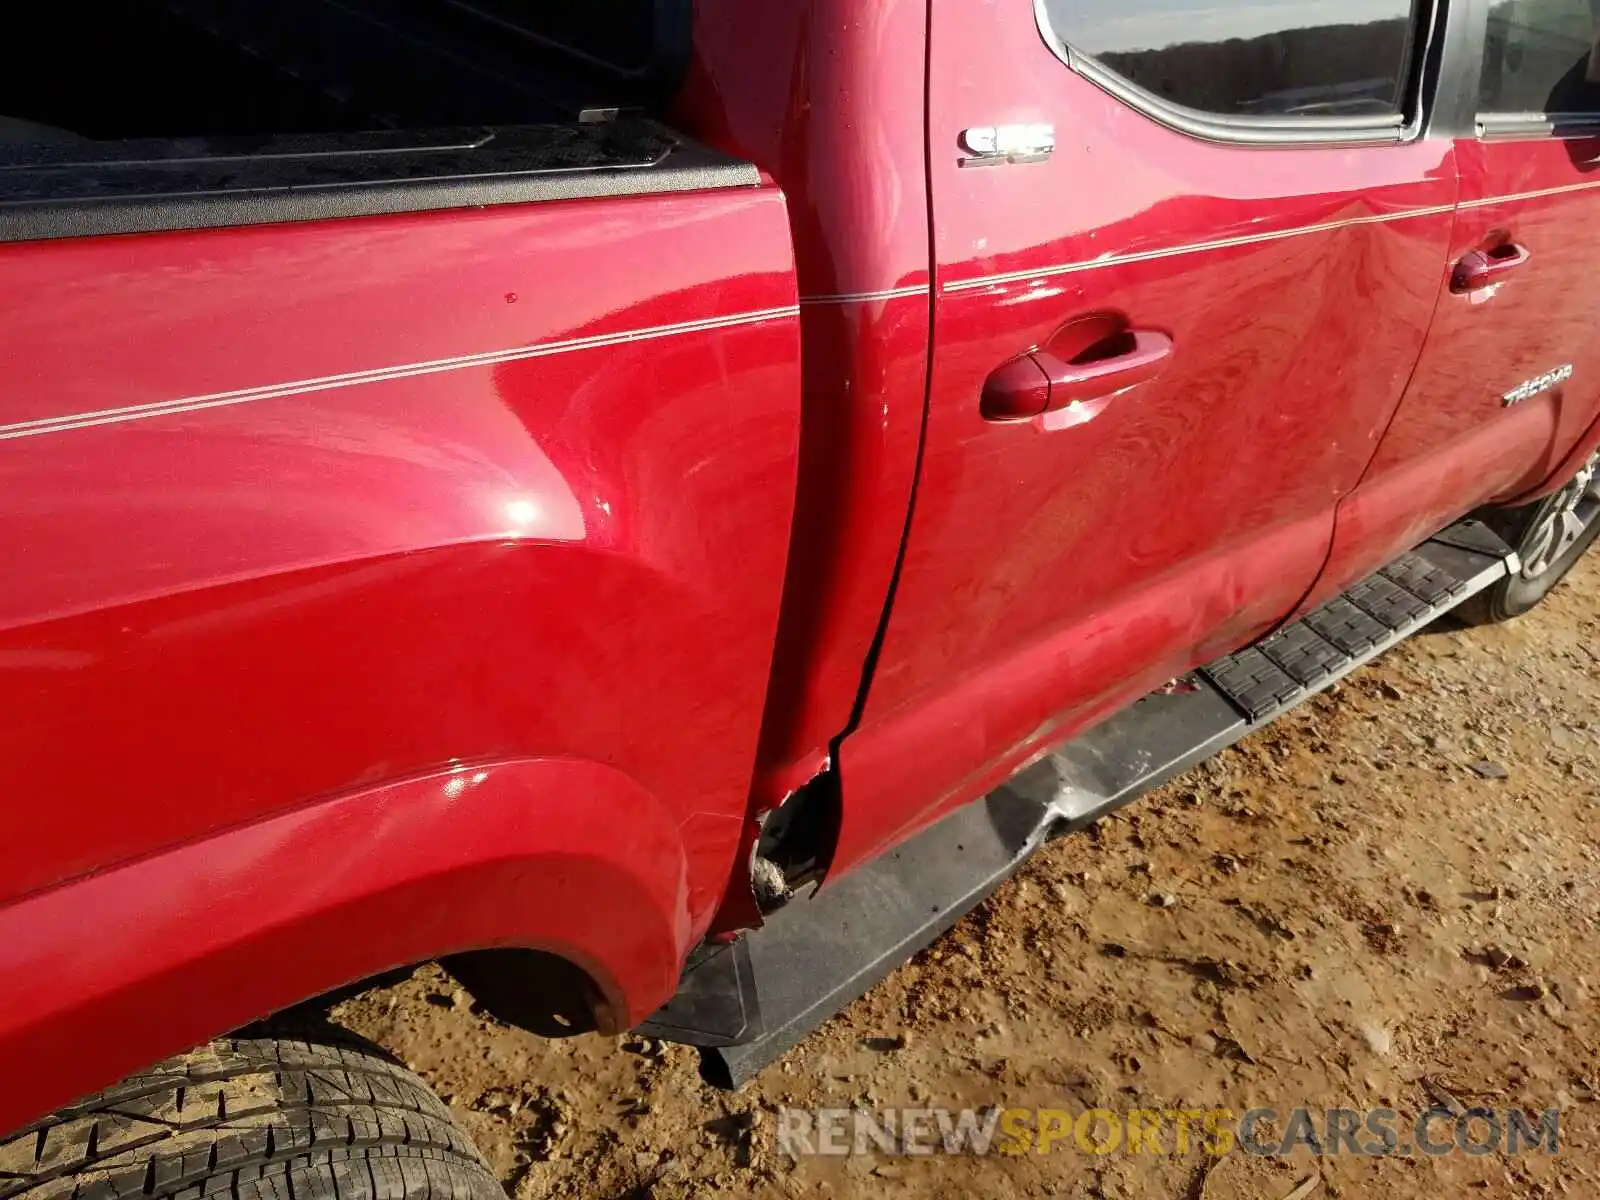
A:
1374, 1132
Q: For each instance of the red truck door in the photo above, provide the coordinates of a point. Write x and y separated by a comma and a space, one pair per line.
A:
1510, 377
1223, 253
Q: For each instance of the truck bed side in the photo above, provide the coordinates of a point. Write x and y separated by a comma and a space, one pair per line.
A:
417, 574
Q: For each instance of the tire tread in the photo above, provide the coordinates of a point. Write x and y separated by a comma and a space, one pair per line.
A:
252, 1119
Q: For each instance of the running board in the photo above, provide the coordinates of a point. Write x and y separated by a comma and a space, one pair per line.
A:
746, 1003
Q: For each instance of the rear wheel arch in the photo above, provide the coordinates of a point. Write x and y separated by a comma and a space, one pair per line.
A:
570, 859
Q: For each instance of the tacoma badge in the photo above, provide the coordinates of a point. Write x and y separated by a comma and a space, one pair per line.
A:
1536, 387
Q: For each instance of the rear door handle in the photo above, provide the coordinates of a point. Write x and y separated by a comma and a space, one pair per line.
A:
1484, 268
1043, 382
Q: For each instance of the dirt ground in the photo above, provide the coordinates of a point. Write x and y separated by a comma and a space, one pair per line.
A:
1389, 898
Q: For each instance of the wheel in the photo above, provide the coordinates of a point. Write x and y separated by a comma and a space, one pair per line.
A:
252, 1119
1550, 537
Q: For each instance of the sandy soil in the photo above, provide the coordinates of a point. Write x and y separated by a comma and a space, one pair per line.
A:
1390, 898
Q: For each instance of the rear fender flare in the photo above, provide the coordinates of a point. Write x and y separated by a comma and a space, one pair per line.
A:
116, 970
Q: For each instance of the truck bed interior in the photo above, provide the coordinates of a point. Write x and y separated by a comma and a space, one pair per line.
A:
114, 70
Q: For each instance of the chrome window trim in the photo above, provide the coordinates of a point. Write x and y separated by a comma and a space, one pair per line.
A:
1256, 131
1494, 126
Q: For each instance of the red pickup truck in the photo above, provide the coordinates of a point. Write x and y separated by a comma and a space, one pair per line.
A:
662, 506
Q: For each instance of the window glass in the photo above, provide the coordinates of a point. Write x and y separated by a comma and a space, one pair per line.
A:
1251, 58
1542, 56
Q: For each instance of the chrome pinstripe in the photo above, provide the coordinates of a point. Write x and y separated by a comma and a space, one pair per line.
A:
140, 412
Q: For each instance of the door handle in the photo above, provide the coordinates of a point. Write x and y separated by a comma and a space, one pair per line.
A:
1043, 381
1484, 268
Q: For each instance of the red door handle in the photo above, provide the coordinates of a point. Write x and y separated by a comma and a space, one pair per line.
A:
1483, 268
1044, 382
1139, 355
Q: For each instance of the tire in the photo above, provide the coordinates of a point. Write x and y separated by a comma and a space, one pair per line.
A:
252, 1119
1528, 530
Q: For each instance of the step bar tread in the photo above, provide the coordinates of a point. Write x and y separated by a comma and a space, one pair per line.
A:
1328, 643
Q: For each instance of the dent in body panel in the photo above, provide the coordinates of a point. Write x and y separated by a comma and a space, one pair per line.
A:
984, 722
